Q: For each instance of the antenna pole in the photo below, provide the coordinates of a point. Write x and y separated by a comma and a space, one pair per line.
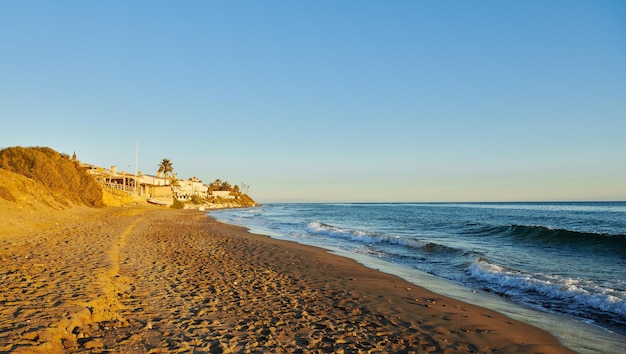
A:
136, 161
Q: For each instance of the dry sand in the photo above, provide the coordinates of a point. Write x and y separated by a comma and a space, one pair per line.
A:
148, 279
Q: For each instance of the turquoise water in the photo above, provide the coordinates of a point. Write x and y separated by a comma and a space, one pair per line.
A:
562, 259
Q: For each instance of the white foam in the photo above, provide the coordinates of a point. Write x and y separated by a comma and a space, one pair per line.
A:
569, 291
579, 336
332, 231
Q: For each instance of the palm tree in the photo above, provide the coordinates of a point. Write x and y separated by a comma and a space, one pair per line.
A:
166, 167
175, 182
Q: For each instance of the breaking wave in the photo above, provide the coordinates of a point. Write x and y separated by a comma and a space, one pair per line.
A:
545, 290
546, 235
319, 228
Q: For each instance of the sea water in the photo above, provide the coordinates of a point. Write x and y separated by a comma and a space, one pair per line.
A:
552, 261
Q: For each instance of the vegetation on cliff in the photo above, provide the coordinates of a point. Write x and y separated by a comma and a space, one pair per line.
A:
59, 173
235, 198
239, 198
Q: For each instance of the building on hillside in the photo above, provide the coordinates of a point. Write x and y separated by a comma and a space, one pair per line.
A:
155, 187
222, 194
161, 193
111, 178
186, 189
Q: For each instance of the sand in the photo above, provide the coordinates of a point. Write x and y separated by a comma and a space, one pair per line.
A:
156, 280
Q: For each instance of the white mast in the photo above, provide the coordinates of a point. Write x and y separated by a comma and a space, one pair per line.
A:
136, 161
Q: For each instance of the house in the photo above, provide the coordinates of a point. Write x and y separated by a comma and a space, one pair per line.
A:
155, 187
111, 178
185, 189
222, 194
161, 193
148, 186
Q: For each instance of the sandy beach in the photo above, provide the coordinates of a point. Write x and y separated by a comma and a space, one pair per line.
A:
153, 280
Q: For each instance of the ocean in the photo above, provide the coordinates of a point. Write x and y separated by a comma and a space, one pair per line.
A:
561, 265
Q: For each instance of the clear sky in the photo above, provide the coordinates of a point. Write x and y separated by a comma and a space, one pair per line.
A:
329, 100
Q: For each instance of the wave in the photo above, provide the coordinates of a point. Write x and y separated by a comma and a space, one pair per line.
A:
547, 290
546, 235
319, 228
604, 207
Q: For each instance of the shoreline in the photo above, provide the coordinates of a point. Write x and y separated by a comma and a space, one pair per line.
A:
351, 265
142, 279
581, 336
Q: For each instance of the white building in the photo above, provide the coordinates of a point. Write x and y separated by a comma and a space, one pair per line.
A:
185, 189
151, 186
222, 194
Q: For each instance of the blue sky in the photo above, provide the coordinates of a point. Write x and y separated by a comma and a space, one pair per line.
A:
329, 100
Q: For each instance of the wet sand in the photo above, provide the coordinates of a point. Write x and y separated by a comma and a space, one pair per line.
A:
155, 280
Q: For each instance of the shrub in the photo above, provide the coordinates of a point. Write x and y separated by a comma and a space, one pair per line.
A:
196, 199
55, 171
177, 204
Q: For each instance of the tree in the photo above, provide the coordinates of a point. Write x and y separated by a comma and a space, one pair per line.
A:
215, 185
166, 167
226, 186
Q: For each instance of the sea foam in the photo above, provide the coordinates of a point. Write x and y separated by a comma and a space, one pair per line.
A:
574, 292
